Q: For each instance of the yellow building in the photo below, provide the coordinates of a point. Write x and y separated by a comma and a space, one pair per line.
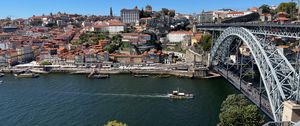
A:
196, 38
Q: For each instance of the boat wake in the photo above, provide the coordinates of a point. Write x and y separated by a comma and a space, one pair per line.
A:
119, 95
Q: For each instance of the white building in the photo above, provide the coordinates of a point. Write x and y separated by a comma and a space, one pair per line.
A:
136, 38
111, 26
221, 13
235, 14
178, 36
130, 36
6, 45
86, 24
265, 17
60, 23
206, 17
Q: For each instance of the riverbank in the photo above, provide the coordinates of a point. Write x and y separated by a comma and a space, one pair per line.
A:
203, 73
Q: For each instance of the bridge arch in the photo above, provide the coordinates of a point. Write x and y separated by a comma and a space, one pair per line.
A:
278, 75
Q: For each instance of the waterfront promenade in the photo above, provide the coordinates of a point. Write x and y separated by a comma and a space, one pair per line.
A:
158, 69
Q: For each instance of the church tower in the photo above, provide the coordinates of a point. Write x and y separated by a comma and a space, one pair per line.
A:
111, 12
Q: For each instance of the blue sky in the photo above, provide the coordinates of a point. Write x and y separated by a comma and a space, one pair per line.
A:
27, 8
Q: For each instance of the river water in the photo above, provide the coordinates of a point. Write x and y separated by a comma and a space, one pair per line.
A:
74, 100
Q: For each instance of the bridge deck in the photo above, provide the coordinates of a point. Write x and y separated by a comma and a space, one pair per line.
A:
249, 91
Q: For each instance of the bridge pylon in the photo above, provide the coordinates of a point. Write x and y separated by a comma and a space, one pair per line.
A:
291, 112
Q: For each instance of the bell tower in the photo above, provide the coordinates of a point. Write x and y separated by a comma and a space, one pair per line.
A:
111, 12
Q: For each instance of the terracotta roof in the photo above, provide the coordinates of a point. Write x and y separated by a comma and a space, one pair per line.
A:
254, 9
265, 14
281, 19
295, 49
135, 34
181, 32
236, 12
38, 17
283, 46
219, 13
101, 26
124, 55
115, 23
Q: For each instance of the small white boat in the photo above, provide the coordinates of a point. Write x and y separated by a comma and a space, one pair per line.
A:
2, 74
39, 71
99, 76
26, 74
141, 75
180, 95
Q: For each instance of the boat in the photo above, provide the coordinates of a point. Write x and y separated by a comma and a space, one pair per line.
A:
2, 74
180, 95
99, 76
26, 74
141, 75
163, 76
39, 71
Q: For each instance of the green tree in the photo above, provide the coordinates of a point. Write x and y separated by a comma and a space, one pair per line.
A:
46, 63
172, 13
44, 37
115, 123
265, 8
288, 7
111, 48
165, 11
237, 111
117, 39
102, 36
91, 38
206, 41
142, 13
147, 14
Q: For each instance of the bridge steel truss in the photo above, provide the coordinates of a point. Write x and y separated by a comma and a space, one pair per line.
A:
278, 76
279, 30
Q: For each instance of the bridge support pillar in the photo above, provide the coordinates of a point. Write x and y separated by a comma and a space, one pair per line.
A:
291, 111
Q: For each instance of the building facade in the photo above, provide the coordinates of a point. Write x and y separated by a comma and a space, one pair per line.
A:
206, 17
112, 26
179, 36
130, 15
25, 54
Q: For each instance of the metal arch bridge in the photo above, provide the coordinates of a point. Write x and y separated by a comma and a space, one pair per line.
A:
279, 77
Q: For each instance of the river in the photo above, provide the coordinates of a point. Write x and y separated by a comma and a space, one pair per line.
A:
74, 100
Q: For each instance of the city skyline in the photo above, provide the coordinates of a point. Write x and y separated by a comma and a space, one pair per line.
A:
16, 10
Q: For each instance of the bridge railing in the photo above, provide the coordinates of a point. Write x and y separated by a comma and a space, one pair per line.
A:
250, 24
279, 124
289, 30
